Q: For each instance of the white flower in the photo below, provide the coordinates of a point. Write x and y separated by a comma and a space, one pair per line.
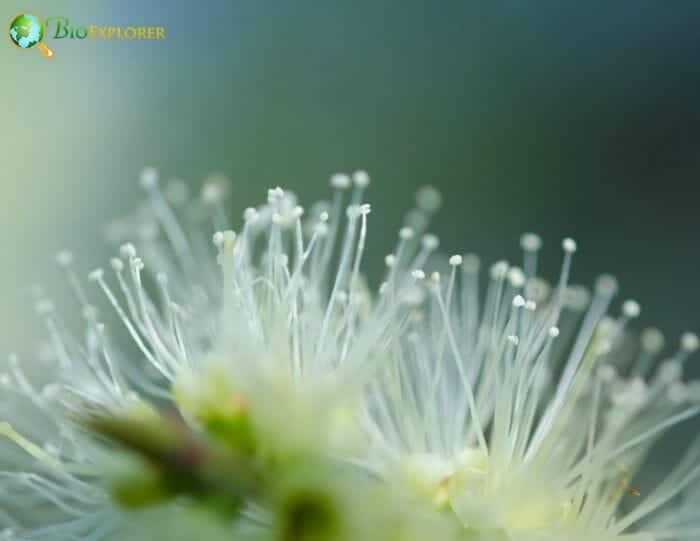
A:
525, 417
516, 418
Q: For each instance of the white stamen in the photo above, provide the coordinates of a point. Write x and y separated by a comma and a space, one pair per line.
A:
149, 178
127, 250
96, 275
631, 309
499, 270
430, 242
456, 260
418, 274
690, 342
516, 277
406, 233
64, 258
361, 179
340, 181
218, 239
530, 242
569, 245
428, 199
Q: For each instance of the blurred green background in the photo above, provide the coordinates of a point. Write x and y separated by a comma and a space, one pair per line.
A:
576, 119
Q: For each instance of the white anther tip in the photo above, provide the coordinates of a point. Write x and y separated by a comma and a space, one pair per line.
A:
499, 270
250, 214
471, 263
652, 340
435, 278
274, 193
456, 260
390, 260
430, 241
214, 189
353, 211
428, 199
218, 239
340, 181
96, 275
606, 285
149, 178
127, 250
530, 242
64, 258
418, 274
323, 217
406, 233
361, 179
210, 193
569, 245
513, 339
117, 264
553, 332
690, 342
631, 308
516, 277
518, 301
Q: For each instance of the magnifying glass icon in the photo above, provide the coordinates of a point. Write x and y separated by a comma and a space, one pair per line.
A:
27, 31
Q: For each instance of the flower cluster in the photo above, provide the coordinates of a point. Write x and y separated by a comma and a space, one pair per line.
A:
267, 392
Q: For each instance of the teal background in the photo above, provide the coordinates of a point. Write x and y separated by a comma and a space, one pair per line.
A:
569, 118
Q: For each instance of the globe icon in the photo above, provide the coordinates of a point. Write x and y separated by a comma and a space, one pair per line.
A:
27, 31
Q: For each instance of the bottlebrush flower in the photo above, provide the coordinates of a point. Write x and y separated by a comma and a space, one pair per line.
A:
266, 392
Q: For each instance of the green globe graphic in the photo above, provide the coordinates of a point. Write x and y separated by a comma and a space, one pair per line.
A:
26, 30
